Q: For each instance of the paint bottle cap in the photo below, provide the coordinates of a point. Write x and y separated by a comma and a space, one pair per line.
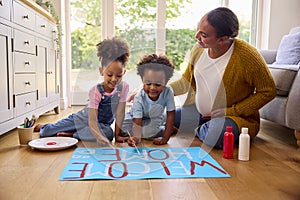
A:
228, 128
244, 130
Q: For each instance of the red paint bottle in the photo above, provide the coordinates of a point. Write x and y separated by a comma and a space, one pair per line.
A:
228, 143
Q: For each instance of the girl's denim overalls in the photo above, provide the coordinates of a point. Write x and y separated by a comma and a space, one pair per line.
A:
78, 122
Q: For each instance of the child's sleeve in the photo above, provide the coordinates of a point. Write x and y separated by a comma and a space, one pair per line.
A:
170, 102
94, 98
124, 92
137, 106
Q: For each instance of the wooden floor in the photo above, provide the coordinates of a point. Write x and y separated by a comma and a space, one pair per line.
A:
272, 173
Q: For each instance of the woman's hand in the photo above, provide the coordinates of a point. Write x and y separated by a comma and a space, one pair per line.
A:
160, 141
218, 112
206, 117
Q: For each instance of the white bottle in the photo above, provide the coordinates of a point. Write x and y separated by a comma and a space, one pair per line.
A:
244, 145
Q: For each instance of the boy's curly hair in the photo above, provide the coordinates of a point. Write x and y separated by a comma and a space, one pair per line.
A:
115, 49
157, 63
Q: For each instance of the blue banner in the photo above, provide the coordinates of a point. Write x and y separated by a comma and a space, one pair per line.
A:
126, 163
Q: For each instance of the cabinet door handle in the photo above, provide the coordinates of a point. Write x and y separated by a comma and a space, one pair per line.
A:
27, 83
26, 42
43, 26
26, 17
49, 72
27, 103
1, 4
27, 63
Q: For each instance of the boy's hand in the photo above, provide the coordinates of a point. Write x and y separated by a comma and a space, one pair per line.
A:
160, 141
131, 97
132, 141
121, 139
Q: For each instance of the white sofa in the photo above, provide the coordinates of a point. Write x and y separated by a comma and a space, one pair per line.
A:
284, 65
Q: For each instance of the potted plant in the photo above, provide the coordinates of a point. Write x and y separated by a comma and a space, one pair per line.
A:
48, 6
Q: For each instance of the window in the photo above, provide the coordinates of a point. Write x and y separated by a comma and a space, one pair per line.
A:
135, 21
85, 34
149, 26
243, 9
180, 31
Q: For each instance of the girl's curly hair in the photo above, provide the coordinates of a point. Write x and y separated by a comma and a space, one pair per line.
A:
115, 49
157, 63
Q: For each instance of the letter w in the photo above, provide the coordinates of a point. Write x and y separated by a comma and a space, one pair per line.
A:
203, 162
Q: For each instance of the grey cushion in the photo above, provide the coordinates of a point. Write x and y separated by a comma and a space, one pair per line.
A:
295, 30
289, 50
275, 110
283, 76
269, 55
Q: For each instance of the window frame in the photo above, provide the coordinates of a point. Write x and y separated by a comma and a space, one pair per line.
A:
108, 22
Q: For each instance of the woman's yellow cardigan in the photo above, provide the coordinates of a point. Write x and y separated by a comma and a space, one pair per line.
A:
247, 85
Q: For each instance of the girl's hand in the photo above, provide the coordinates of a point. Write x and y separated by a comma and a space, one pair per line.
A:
103, 141
160, 141
132, 141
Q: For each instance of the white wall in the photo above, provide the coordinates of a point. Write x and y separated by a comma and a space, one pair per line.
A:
63, 10
277, 18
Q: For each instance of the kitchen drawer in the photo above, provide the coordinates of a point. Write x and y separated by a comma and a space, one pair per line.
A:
24, 62
24, 42
5, 9
24, 83
42, 26
25, 103
23, 16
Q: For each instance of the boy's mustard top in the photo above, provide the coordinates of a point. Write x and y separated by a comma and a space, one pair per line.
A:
247, 85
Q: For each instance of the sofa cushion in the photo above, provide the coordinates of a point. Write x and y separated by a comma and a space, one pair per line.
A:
283, 76
295, 30
289, 50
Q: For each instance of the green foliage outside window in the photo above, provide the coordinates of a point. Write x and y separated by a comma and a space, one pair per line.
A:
141, 41
135, 14
178, 43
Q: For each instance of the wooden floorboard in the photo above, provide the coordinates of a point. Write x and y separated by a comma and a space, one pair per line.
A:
273, 171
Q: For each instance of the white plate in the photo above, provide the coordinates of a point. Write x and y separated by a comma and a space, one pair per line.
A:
53, 143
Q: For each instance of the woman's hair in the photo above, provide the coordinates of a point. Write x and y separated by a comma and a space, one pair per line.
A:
110, 50
157, 63
224, 21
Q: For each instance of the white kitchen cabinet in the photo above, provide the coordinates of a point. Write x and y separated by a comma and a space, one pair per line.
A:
6, 100
28, 63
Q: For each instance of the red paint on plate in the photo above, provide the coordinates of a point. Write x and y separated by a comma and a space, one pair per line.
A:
51, 143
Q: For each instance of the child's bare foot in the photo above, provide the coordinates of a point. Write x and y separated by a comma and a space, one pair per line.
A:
38, 127
175, 130
64, 134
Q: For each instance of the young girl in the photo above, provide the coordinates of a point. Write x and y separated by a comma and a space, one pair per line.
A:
146, 118
106, 100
